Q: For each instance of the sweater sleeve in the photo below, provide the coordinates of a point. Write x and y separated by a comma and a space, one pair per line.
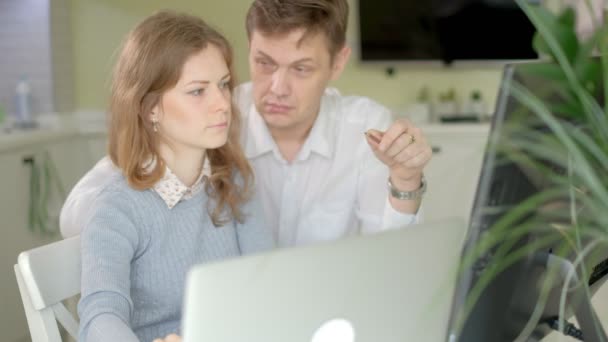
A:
254, 235
108, 327
108, 244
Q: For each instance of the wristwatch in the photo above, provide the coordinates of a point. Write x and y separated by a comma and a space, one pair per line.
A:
407, 195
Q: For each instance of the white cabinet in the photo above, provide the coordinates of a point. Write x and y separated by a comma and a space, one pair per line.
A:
453, 172
72, 154
14, 191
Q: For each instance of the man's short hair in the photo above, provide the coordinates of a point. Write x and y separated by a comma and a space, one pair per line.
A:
280, 17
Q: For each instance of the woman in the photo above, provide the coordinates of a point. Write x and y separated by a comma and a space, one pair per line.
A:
182, 198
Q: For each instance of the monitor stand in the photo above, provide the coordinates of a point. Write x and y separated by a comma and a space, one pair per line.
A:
577, 299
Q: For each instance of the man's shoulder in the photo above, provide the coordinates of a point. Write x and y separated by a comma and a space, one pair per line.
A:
101, 176
113, 191
119, 199
85, 198
116, 208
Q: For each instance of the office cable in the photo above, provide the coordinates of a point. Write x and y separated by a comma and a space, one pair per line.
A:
569, 328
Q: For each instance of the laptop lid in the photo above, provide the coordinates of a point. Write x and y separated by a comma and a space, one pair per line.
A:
390, 286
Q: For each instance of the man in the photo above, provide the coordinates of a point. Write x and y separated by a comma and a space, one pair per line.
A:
319, 177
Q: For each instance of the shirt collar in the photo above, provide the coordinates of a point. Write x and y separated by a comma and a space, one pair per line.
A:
321, 135
259, 141
172, 190
320, 140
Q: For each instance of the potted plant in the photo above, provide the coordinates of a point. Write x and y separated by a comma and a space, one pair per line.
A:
446, 105
420, 111
476, 106
554, 239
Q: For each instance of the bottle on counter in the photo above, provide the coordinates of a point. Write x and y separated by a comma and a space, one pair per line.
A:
23, 104
3, 125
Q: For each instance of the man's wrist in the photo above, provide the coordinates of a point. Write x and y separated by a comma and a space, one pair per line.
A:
407, 195
410, 184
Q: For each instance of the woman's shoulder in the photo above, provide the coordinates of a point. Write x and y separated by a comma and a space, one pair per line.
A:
118, 196
113, 213
116, 189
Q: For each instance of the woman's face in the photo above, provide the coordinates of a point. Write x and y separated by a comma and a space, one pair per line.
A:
195, 114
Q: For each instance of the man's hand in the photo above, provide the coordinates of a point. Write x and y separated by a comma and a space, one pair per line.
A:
169, 338
404, 149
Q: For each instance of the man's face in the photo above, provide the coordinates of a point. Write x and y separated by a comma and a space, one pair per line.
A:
289, 77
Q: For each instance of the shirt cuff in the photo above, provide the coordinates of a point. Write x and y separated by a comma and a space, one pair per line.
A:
107, 327
394, 219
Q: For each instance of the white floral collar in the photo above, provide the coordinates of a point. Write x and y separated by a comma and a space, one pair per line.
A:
172, 190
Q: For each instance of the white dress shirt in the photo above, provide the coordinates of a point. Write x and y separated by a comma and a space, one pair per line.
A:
334, 188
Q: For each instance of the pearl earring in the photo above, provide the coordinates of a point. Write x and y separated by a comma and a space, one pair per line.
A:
155, 125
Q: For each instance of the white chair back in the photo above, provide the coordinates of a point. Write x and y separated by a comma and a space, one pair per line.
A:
46, 276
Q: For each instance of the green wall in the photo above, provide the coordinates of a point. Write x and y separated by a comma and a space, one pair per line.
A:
100, 25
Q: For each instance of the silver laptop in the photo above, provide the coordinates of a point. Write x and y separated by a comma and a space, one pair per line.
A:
392, 286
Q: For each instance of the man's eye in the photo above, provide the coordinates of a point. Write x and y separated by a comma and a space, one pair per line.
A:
302, 69
265, 64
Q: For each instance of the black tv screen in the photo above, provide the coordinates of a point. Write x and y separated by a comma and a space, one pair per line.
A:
444, 30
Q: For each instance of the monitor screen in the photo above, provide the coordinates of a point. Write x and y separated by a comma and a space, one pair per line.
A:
506, 304
444, 30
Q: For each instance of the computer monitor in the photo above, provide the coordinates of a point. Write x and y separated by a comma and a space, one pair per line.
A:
507, 303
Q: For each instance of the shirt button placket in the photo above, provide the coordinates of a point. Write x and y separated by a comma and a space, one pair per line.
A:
289, 206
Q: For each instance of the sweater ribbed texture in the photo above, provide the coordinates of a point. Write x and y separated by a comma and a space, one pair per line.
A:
136, 253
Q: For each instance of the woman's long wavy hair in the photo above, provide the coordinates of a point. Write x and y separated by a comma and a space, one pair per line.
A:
149, 64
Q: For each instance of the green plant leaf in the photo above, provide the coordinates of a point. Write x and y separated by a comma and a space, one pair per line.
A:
587, 47
548, 71
567, 18
589, 74
567, 109
563, 29
587, 68
592, 111
583, 166
575, 139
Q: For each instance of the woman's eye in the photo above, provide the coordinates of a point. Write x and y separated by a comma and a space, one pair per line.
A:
197, 92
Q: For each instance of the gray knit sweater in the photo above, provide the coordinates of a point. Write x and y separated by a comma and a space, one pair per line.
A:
136, 253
